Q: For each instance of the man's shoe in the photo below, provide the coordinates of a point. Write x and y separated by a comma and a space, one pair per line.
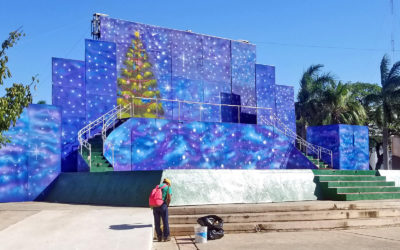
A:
167, 239
159, 239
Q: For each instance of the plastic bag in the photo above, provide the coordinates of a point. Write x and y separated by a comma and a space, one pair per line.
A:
214, 226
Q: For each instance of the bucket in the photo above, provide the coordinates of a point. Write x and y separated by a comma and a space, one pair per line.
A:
200, 234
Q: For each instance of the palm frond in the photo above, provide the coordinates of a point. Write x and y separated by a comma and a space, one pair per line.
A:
395, 70
384, 69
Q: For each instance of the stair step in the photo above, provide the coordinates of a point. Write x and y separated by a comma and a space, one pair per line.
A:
343, 172
369, 196
366, 189
290, 216
332, 184
188, 229
350, 178
282, 207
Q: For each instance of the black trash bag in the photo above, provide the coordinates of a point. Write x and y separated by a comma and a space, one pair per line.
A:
214, 226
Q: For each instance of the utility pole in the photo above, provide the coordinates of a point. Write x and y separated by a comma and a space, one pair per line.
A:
392, 33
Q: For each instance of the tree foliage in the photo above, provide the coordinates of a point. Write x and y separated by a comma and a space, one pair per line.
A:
138, 80
385, 105
322, 100
16, 97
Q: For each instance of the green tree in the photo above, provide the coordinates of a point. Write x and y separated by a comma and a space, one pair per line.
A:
339, 106
41, 102
312, 85
360, 90
18, 96
137, 80
387, 103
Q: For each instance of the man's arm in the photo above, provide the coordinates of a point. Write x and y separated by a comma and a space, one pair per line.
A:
169, 194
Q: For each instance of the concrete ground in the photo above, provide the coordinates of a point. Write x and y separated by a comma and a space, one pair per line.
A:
367, 238
37, 225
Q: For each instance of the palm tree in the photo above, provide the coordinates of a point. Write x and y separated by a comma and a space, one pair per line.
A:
338, 106
312, 85
388, 102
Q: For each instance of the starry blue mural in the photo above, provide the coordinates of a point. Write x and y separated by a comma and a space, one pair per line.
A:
265, 89
101, 78
349, 145
189, 66
69, 94
284, 106
243, 74
184, 66
33, 158
155, 144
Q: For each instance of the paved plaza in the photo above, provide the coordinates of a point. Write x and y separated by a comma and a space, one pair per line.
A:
37, 225
368, 238
31, 225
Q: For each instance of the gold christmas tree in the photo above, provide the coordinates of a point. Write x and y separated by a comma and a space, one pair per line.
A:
137, 80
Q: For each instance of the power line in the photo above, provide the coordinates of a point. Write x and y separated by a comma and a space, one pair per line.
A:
320, 46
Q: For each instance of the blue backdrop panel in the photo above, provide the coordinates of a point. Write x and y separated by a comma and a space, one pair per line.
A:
45, 147
118, 152
162, 144
13, 162
68, 73
69, 94
101, 72
361, 147
32, 160
212, 91
187, 55
230, 113
243, 73
121, 31
161, 62
284, 104
265, 89
72, 101
349, 144
101, 77
188, 90
97, 105
211, 113
328, 137
216, 59
354, 148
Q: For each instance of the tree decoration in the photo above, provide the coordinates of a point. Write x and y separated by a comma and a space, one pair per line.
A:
138, 80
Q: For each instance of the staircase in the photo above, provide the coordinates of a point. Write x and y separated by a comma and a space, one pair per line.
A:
288, 216
320, 164
98, 162
347, 185
93, 155
91, 138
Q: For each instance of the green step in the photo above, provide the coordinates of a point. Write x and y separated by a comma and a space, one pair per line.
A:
367, 189
343, 172
369, 196
349, 178
358, 184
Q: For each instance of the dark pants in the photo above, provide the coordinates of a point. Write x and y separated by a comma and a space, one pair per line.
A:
162, 212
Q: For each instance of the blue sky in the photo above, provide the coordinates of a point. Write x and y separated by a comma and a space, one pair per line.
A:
348, 37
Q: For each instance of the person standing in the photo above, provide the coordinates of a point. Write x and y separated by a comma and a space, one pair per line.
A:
162, 211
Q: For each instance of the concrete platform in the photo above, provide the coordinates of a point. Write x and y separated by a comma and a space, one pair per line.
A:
289, 216
37, 225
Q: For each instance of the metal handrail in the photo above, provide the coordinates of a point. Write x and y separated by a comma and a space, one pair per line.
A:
108, 119
318, 150
85, 133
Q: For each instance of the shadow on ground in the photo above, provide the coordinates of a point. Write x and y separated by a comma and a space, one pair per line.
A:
128, 226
